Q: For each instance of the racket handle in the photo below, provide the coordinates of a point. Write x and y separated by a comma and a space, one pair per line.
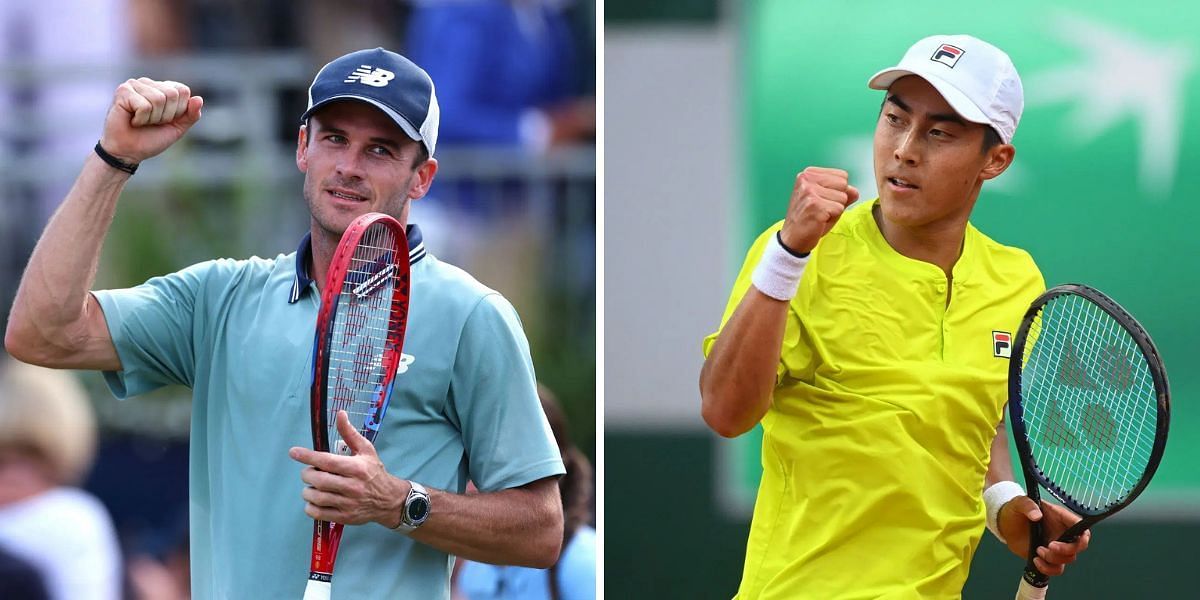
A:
317, 590
1024, 591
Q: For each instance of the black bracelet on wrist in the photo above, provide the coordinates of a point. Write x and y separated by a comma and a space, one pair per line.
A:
779, 238
115, 162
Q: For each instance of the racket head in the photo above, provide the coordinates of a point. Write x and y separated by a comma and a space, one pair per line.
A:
359, 337
1089, 401
360, 329
1089, 406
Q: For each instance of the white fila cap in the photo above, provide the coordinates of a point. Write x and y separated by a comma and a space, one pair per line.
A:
976, 78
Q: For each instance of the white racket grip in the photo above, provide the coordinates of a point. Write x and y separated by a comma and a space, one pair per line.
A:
1028, 592
319, 590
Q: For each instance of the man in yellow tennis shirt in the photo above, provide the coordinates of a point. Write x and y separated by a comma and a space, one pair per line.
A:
872, 343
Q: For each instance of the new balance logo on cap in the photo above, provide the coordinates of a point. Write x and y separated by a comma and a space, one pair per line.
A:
385, 80
947, 55
371, 76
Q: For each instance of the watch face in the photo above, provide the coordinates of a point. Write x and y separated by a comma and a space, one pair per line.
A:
418, 509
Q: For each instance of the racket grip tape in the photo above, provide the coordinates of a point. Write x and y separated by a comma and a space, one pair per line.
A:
1025, 591
317, 590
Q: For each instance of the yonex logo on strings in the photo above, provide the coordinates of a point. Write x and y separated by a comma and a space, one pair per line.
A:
1113, 366
371, 76
1099, 425
947, 55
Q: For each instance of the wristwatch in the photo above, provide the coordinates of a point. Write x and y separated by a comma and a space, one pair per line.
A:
416, 509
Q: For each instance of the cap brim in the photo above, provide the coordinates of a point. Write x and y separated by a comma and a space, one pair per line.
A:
956, 99
408, 128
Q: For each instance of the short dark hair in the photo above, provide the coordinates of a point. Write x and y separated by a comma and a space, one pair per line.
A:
991, 138
422, 155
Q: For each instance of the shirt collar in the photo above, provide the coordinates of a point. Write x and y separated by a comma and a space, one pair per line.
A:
302, 281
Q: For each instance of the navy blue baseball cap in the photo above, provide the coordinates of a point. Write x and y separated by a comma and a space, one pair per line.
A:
386, 80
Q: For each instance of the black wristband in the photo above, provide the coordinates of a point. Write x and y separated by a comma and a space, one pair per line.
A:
115, 162
779, 238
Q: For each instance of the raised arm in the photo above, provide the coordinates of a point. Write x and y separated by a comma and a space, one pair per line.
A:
739, 373
55, 321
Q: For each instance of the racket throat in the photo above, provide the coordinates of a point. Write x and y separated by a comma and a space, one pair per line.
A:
326, 539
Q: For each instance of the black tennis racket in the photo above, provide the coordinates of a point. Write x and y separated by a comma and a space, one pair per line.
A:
360, 332
1089, 409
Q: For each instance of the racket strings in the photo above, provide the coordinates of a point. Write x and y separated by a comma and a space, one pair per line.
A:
361, 331
1089, 403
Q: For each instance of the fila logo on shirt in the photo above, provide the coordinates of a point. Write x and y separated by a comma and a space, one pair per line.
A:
1001, 344
374, 78
947, 55
405, 360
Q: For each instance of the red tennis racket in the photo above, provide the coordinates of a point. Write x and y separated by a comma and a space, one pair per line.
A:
360, 332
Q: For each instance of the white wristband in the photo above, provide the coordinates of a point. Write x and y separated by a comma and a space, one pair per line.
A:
996, 496
778, 272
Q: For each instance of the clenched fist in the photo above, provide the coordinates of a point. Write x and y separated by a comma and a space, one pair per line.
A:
147, 116
818, 200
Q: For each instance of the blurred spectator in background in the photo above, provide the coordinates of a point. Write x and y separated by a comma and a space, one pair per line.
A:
168, 578
22, 581
506, 72
574, 576
159, 27
508, 77
50, 109
374, 23
47, 443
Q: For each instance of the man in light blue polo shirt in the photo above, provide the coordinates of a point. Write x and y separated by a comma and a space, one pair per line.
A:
240, 334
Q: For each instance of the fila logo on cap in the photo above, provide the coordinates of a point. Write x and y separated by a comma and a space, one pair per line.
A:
375, 78
947, 55
1001, 344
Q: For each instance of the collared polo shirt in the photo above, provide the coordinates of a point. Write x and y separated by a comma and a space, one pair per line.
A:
879, 431
240, 334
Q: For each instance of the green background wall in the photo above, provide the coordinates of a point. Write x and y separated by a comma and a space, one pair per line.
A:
1103, 189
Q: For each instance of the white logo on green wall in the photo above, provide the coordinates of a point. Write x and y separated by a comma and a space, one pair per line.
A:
1119, 75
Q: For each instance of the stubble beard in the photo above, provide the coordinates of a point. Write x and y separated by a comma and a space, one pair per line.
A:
325, 218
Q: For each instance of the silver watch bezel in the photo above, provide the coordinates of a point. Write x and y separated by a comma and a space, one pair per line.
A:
416, 491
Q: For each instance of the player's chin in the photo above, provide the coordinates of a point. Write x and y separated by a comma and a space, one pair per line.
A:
899, 210
335, 222
887, 205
